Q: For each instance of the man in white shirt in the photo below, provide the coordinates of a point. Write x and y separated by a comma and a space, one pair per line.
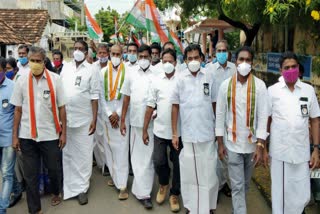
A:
23, 62
117, 146
81, 81
241, 126
222, 70
193, 97
132, 57
135, 88
292, 104
159, 98
155, 53
39, 108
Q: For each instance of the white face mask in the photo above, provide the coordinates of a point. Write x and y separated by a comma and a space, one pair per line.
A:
144, 63
244, 69
115, 61
194, 66
168, 67
78, 55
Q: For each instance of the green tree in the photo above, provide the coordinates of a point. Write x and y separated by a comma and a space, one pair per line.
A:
72, 24
105, 18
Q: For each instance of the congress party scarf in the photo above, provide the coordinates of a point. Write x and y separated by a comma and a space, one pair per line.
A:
250, 109
33, 124
113, 91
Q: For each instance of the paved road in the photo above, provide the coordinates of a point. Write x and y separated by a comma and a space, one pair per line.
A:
103, 199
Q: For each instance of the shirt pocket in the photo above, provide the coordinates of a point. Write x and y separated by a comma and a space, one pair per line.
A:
5, 105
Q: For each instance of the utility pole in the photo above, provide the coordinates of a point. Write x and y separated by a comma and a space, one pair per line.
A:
82, 12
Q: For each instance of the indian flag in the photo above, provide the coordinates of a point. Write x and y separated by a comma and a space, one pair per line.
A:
177, 43
136, 16
94, 30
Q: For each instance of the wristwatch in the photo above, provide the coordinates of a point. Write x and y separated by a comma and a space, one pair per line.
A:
315, 146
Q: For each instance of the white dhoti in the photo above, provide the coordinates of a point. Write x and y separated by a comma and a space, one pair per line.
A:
290, 187
77, 161
141, 161
199, 181
100, 139
117, 150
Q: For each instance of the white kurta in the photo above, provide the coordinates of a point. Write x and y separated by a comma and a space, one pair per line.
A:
199, 181
99, 141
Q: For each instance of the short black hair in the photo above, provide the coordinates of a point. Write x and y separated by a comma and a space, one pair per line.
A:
24, 46
132, 44
84, 43
287, 55
247, 49
144, 48
12, 62
156, 45
171, 52
3, 63
190, 48
57, 52
165, 44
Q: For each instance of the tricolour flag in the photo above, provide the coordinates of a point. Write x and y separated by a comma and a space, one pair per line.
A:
94, 30
177, 43
136, 16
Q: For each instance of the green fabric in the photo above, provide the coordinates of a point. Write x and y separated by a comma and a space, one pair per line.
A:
106, 83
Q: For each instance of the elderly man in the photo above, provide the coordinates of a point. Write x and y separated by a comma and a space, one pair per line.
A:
7, 153
292, 104
82, 87
39, 102
135, 88
241, 126
193, 97
117, 146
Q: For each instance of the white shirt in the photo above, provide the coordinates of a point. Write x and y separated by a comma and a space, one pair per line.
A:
160, 93
224, 117
157, 68
220, 73
81, 85
136, 85
115, 105
46, 129
22, 70
195, 107
289, 132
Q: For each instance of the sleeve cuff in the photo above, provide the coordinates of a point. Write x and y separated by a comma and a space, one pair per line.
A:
150, 104
174, 101
261, 134
95, 96
219, 132
109, 113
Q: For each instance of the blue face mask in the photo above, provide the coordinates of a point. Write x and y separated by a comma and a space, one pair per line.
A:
124, 56
222, 57
23, 60
214, 60
203, 64
10, 74
132, 57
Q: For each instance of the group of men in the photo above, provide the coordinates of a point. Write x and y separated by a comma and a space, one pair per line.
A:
214, 119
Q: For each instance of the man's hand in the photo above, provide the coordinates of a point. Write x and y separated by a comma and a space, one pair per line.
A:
175, 142
16, 144
145, 137
92, 127
114, 120
62, 141
257, 155
265, 158
123, 128
314, 161
222, 152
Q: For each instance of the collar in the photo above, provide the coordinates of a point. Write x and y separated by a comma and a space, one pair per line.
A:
85, 63
147, 71
297, 84
219, 66
43, 75
202, 71
163, 75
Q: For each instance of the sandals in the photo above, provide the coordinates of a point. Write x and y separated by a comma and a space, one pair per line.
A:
55, 200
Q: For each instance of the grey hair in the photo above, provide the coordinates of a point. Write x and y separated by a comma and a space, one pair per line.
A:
103, 45
37, 50
224, 42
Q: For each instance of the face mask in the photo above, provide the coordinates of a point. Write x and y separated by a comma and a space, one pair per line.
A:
144, 63
78, 56
36, 68
222, 57
214, 60
291, 75
115, 61
244, 69
57, 63
132, 57
103, 59
194, 66
203, 64
2, 76
155, 59
23, 60
124, 56
10, 74
168, 67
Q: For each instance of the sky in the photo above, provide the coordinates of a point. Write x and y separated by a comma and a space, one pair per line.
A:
119, 5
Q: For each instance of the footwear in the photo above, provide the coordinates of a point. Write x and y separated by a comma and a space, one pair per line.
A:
174, 203
55, 200
110, 183
146, 203
211, 212
226, 190
14, 199
106, 171
83, 198
123, 195
162, 193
